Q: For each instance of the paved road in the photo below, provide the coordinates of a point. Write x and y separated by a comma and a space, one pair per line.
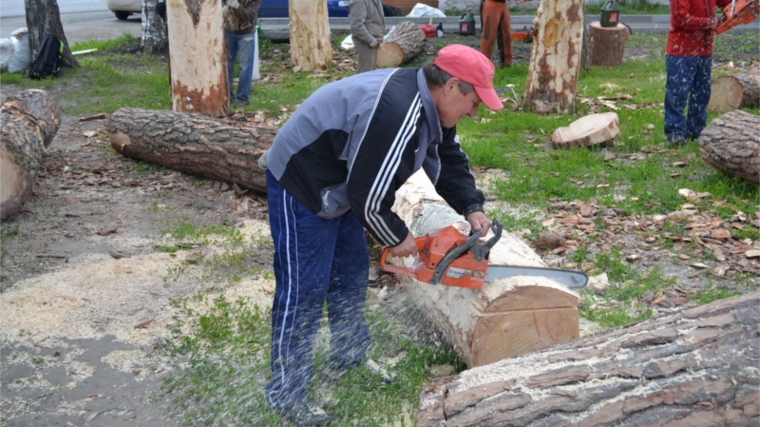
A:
82, 26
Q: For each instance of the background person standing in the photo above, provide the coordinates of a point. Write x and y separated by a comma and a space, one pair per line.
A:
688, 63
367, 29
495, 22
240, 18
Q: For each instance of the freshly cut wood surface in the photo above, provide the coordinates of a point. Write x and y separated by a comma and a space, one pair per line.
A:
735, 91
731, 144
692, 368
587, 131
192, 143
404, 43
28, 124
505, 318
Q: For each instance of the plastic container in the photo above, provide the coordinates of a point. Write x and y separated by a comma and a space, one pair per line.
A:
467, 25
610, 15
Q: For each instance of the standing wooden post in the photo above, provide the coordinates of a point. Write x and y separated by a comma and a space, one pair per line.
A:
310, 47
198, 59
606, 45
556, 56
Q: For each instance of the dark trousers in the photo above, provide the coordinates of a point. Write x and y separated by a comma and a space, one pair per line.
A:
687, 85
315, 261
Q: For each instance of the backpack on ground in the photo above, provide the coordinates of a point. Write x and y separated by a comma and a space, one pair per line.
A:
48, 61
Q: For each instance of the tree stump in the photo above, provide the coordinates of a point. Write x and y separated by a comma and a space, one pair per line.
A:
555, 56
505, 318
740, 90
587, 131
192, 143
404, 43
731, 144
695, 368
606, 45
28, 123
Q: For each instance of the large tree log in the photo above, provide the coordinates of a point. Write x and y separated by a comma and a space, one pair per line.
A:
556, 56
192, 143
404, 43
731, 144
198, 59
737, 91
606, 45
503, 319
694, 368
28, 123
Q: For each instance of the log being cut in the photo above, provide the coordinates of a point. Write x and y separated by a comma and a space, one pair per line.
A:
693, 368
505, 318
28, 123
193, 143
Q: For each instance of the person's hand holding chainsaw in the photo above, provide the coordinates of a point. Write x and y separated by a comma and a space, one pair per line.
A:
479, 221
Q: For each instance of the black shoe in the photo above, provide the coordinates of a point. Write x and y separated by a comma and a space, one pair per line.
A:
306, 414
677, 140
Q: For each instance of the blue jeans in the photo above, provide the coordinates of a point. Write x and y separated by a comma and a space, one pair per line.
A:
316, 260
688, 84
242, 48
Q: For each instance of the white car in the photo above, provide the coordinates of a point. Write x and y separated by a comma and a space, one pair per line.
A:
124, 8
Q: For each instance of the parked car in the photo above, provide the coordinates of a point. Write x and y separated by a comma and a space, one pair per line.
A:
123, 9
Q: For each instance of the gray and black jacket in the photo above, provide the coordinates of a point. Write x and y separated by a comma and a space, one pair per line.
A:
354, 142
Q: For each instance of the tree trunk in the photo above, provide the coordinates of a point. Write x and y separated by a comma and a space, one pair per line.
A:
43, 17
606, 45
192, 143
28, 124
731, 144
505, 318
310, 47
741, 90
693, 368
587, 131
404, 44
556, 56
154, 37
198, 59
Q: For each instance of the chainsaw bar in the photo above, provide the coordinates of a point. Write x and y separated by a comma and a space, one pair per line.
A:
571, 278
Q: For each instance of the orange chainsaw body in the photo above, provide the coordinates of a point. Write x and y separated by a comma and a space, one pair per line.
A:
740, 12
464, 271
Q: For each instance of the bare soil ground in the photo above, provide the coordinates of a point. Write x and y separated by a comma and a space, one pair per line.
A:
85, 293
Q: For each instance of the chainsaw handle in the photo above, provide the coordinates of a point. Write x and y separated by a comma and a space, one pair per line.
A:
398, 269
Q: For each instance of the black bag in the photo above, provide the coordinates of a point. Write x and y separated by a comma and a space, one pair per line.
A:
48, 61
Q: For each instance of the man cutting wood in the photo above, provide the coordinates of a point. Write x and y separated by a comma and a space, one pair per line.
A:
333, 170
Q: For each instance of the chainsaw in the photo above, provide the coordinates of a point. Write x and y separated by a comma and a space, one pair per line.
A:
739, 13
448, 257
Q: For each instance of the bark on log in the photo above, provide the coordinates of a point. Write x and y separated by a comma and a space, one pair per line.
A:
555, 56
587, 131
404, 43
606, 45
28, 123
740, 90
692, 368
505, 318
193, 143
731, 144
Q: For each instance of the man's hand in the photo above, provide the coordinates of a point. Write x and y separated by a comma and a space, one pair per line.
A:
406, 248
233, 4
375, 43
479, 221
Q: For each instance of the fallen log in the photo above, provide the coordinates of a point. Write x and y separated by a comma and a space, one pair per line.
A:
696, 367
28, 123
587, 131
505, 318
740, 90
193, 143
404, 43
731, 144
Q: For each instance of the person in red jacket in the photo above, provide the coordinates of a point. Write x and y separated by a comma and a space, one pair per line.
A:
688, 62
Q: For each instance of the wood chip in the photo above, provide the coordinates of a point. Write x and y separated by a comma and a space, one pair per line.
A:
144, 324
106, 231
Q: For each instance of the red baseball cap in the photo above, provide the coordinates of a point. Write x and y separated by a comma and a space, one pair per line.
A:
470, 66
